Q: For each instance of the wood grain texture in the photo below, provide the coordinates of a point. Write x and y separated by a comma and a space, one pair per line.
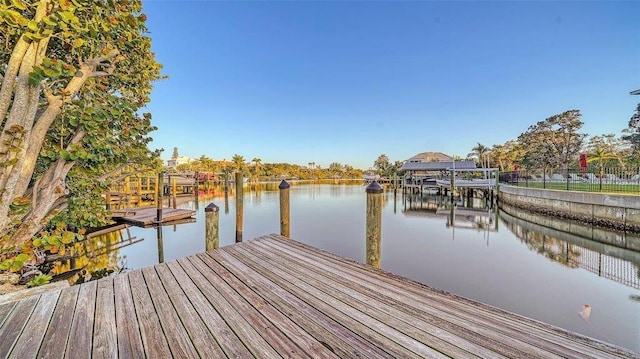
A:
27, 344
14, 324
105, 342
80, 343
153, 337
128, 330
56, 336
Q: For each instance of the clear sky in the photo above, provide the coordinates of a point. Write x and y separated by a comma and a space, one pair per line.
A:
346, 81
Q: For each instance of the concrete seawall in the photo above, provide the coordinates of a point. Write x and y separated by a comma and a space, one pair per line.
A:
601, 209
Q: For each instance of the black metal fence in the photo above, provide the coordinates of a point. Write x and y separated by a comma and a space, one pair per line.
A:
591, 179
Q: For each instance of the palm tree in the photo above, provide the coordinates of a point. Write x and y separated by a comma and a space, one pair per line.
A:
256, 167
238, 162
481, 152
601, 154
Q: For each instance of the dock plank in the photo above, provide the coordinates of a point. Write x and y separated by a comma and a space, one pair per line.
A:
128, 330
224, 329
57, 334
5, 310
81, 334
261, 313
348, 314
175, 332
105, 342
381, 307
154, 341
326, 330
27, 345
273, 297
398, 306
466, 312
13, 326
203, 340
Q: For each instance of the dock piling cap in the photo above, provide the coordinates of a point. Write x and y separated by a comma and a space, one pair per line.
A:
284, 185
374, 187
211, 208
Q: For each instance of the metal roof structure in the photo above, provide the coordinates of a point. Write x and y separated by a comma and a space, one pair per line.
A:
438, 166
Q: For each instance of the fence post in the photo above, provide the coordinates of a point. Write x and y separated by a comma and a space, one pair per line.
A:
239, 206
212, 221
159, 194
285, 225
374, 223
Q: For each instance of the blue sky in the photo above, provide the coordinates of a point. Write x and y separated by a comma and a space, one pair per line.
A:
346, 81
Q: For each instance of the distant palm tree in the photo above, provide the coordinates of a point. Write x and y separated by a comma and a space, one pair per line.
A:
257, 167
600, 154
238, 162
481, 152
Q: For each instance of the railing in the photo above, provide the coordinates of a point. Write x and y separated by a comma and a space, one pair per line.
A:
591, 179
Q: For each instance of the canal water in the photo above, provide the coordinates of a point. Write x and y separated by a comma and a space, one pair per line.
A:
499, 257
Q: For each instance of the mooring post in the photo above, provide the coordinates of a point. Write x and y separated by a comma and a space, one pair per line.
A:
174, 193
159, 194
160, 243
452, 184
108, 199
285, 225
212, 220
374, 223
239, 206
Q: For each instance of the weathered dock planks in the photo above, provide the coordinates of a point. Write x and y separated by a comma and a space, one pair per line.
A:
274, 298
148, 216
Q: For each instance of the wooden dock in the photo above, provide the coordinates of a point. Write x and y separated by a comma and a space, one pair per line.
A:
272, 298
147, 216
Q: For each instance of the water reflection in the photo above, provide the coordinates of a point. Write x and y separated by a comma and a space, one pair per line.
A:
537, 270
467, 213
95, 257
601, 255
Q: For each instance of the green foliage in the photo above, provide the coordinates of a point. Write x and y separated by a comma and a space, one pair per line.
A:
39, 280
385, 168
554, 142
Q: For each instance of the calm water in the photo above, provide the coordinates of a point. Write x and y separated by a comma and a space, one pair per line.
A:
500, 260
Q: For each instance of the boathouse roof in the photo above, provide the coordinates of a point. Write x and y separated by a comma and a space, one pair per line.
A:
437, 166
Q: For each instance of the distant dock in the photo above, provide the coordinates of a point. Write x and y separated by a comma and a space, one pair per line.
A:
148, 216
270, 298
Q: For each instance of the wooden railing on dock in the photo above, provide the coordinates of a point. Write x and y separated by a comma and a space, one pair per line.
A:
274, 297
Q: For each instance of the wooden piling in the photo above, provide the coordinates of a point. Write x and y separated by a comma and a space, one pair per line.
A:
285, 227
108, 199
212, 221
374, 224
452, 184
239, 206
160, 243
159, 194
174, 192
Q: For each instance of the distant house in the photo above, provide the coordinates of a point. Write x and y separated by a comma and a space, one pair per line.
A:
430, 157
180, 160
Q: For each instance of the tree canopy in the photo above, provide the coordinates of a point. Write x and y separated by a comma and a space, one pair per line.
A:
75, 74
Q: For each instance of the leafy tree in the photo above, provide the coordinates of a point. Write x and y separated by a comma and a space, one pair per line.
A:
633, 132
553, 142
76, 72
